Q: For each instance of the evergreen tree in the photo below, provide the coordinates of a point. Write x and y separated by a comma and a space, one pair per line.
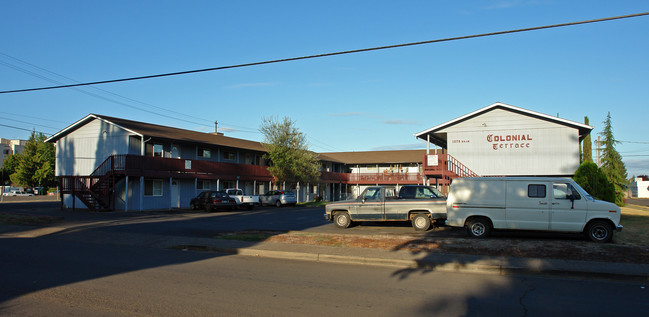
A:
587, 153
35, 165
612, 164
288, 152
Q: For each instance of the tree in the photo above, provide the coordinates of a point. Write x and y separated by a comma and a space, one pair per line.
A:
587, 154
35, 165
612, 164
288, 152
592, 179
9, 166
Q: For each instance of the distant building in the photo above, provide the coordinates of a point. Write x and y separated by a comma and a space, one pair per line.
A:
640, 188
9, 147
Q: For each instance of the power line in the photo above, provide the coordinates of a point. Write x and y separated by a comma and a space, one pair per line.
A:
21, 69
328, 54
8, 126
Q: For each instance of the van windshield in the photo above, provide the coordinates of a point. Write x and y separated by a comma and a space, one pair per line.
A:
586, 194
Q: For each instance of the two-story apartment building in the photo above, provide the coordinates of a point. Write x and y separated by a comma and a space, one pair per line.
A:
117, 164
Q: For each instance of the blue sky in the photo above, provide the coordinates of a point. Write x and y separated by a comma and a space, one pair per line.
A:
357, 102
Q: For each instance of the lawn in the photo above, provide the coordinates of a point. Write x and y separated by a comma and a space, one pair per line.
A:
635, 220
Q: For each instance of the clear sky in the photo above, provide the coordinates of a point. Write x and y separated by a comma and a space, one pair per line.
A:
358, 102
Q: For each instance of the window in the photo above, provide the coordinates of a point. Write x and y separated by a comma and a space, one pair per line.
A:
536, 191
373, 194
152, 187
564, 191
6, 151
229, 156
205, 153
157, 150
204, 185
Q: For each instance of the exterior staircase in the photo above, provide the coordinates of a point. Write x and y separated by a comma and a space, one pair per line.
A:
95, 191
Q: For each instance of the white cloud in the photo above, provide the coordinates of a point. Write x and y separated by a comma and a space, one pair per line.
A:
412, 146
402, 122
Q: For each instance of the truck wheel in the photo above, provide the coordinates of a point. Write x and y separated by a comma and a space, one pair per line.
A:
342, 220
421, 222
478, 228
599, 231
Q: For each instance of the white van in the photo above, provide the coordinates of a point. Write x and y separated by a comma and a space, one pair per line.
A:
529, 203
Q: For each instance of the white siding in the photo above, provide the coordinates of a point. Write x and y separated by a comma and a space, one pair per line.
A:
83, 150
505, 143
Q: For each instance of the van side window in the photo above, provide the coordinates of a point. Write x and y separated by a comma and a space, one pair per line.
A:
564, 191
536, 191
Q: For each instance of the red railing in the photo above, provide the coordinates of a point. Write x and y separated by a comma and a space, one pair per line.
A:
446, 166
385, 178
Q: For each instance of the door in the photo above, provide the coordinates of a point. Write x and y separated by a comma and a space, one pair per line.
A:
175, 195
527, 206
371, 205
569, 209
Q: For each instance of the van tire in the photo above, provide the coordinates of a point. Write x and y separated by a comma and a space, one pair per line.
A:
342, 220
421, 222
599, 231
478, 228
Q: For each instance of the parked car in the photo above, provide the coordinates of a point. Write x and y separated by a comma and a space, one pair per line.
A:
17, 193
213, 200
421, 205
529, 203
278, 198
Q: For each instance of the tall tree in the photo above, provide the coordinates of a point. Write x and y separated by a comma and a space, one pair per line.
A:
612, 164
36, 163
587, 153
288, 152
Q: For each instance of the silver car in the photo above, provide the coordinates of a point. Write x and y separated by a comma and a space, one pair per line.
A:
278, 198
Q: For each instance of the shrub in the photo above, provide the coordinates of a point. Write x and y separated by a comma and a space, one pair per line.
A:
594, 181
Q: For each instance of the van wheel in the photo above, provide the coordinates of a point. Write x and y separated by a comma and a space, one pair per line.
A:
421, 222
342, 220
599, 231
479, 228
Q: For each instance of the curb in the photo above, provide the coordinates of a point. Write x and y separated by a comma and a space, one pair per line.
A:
431, 266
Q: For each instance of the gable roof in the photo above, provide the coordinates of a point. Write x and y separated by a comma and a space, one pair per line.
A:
374, 157
147, 130
439, 139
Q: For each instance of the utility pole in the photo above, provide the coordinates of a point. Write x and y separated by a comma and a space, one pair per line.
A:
599, 149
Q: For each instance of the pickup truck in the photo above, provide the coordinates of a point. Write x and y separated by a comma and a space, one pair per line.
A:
421, 205
243, 201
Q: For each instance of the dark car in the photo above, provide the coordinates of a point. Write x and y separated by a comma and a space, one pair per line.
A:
213, 200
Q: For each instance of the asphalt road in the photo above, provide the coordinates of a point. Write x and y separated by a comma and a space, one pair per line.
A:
48, 276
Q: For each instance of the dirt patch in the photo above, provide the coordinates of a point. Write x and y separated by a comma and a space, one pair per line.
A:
570, 248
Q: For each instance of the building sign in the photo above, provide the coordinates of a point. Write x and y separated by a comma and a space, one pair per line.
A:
188, 164
432, 160
509, 141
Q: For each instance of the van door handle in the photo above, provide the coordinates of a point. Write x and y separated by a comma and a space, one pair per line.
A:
542, 203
